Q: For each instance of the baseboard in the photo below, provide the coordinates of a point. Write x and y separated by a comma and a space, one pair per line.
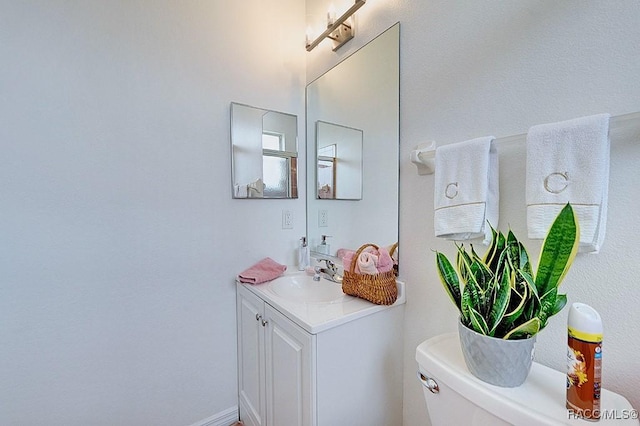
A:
223, 418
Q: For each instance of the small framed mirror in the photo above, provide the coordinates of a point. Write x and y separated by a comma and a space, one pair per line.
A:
264, 153
339, 159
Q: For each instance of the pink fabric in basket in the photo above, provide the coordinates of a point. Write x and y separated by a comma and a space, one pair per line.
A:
385, 262
381, 260
265, 270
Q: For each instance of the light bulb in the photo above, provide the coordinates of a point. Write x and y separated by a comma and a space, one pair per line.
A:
331, 15
309, 37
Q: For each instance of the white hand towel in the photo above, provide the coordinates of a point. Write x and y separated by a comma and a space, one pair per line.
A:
569, 162
466, 190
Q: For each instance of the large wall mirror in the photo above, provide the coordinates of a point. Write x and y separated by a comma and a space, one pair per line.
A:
353, 145
264, 153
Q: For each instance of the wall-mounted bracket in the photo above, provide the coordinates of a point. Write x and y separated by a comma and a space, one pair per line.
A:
424, 157
341, 35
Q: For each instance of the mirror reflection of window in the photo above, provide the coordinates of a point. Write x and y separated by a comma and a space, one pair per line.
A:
279, 167
327, 171
273, 141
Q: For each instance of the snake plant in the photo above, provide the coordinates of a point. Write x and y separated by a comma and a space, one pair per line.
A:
499, 295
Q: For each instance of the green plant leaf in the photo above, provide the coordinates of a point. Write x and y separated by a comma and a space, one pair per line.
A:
481, 274
532, 307
525, 262
474, 294
525, 330
501, 263
449, 279
474, 255
550, 304
477, 322
547, 304
561, 302
518, 301
512, 246
466, 306
463, 262
493, 254
500, 303
517, 254
528, 279
491, 250
558, 250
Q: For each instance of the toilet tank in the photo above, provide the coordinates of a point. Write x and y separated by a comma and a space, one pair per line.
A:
461, 398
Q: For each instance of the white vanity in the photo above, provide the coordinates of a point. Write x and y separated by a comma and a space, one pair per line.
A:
309, 355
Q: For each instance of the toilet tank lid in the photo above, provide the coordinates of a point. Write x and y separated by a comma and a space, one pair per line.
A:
540, 400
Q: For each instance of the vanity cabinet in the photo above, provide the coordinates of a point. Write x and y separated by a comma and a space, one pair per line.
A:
275, 365
291, 373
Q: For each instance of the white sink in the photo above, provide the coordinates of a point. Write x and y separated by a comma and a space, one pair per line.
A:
316, 305
302, 288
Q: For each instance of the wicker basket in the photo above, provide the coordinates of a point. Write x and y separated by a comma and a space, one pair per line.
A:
379, 288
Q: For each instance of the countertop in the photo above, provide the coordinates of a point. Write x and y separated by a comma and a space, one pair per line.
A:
315, 317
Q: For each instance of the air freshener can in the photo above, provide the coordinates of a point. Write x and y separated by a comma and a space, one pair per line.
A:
584, 362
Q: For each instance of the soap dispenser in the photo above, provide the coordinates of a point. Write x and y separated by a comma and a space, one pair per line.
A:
323, 247
304, 259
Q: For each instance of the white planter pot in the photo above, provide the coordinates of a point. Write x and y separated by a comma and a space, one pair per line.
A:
500, 362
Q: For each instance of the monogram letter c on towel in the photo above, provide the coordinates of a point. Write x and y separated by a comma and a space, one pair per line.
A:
465, 195
451, 191
556, 182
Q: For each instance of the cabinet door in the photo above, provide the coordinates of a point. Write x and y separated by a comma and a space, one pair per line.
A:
251, 362
290, 366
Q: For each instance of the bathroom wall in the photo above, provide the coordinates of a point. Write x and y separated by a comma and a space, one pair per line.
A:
119, 239
471, 69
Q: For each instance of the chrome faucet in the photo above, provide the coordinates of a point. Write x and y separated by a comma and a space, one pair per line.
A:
330, 272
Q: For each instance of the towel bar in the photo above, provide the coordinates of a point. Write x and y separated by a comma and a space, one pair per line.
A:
621, 127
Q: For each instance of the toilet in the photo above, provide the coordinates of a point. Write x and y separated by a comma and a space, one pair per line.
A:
455, 397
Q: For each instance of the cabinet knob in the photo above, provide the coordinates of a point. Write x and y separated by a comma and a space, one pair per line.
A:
264, 323
258, 317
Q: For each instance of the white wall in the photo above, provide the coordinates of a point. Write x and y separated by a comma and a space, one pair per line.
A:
119, 237
474, 68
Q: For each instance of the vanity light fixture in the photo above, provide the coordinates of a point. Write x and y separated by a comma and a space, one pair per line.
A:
339, 30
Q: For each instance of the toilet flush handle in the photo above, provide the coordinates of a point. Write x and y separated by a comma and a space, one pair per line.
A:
429, 383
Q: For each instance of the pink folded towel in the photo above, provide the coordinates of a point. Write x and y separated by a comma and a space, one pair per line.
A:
342, 252
347, 258
367, 263
370, 261
265, 270
385, 262
348, 255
